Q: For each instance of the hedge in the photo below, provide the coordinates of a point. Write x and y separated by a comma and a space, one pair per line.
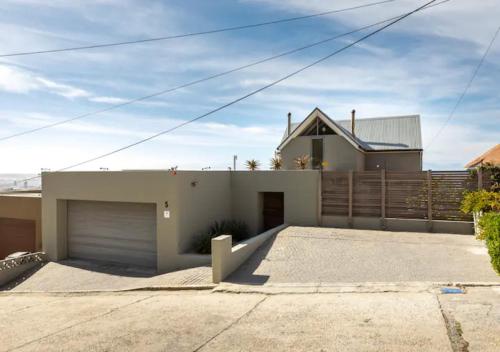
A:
490, 226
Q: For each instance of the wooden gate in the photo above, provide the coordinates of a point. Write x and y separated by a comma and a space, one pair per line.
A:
273, 209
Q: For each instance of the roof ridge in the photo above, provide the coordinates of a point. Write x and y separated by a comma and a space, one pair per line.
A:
382, 118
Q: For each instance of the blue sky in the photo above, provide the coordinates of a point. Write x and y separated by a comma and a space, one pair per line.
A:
419, 66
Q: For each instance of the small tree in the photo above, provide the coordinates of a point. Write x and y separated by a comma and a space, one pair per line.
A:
276, 163
252, 164
302, 161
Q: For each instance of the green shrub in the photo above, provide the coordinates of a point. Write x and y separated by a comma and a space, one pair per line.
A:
494, 172
482, 200
237, 229
490, 226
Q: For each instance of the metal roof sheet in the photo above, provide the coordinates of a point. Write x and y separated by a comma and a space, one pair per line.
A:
383, 133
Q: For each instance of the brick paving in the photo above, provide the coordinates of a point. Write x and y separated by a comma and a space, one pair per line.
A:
321, 255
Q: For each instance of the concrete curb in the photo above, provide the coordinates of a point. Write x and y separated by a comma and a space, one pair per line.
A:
125, 290
368, 287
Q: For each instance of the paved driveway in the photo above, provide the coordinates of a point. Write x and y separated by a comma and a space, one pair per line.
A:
79, 275
320, 255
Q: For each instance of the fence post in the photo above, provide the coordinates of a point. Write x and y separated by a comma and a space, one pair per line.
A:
350, 197
320, 198
382, 199
429, 200
479, 179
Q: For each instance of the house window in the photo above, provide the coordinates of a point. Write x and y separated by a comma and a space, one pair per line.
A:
317, 153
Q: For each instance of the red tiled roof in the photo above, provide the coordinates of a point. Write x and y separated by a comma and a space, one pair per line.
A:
491, 156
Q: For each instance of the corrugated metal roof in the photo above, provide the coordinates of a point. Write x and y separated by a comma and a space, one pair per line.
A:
383, 133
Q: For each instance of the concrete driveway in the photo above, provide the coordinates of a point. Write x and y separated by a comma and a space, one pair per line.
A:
321, 255
79, 275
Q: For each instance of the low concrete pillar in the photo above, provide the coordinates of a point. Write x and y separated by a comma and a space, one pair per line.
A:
221, 252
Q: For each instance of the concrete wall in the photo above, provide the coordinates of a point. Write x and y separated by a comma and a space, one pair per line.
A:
194, 200
300, 188
27, 206
200, 205
340, 155
394, 161
296, 147
337, 152
226, 258
400, 225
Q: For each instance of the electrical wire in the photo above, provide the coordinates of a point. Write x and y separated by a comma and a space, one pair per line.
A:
467, 87
201, 80
235, 101
193, 34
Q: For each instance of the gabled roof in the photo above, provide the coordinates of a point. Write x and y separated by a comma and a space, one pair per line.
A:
373, 134
329, 122
491, 156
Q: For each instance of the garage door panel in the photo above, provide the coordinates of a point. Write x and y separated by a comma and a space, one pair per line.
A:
112, 242
112, 231
110, 254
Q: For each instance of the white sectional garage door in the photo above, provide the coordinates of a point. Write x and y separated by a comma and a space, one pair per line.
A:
116, 232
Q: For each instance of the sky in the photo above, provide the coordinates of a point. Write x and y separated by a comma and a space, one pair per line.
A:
418, 66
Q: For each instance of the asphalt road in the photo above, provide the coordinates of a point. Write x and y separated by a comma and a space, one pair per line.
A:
205, 321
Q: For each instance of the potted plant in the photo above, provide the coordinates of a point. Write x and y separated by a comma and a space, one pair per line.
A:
302, 161
276, 163
252, 164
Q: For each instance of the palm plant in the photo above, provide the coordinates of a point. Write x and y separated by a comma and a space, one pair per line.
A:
276, 163
301, 161
252, 164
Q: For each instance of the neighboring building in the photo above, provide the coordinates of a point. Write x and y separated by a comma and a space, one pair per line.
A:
492, 156
390, 143
20, 223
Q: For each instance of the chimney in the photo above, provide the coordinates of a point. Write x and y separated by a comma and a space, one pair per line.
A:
353, 122
289, 130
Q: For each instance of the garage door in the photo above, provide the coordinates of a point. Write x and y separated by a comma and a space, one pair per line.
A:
116, 232
16, 236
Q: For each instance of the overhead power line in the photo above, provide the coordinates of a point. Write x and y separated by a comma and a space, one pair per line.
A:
193, 34
467, 87
235, 101
201, 80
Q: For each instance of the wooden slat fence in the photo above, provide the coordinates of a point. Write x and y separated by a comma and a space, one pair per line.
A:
406, 195
431, 195
335, 193
367, 193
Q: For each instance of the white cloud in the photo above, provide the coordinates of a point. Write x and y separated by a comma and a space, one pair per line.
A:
16, 81
64, 90
108, 100
473, 21
377, 79
456, 145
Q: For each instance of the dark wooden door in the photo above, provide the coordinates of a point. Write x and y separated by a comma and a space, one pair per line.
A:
273, 212
16, 235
